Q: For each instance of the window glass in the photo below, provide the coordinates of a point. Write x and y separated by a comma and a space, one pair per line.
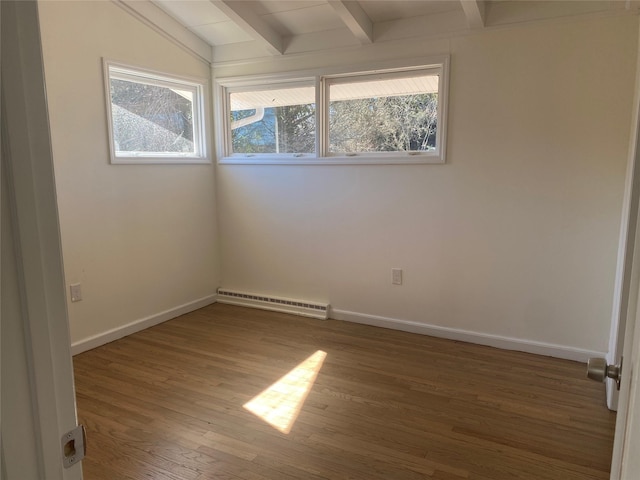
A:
374, 114
275, 121
150, 118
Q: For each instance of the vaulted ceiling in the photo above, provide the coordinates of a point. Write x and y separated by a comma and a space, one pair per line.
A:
228, 30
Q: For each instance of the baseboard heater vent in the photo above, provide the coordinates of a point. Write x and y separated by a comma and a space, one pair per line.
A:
278, 304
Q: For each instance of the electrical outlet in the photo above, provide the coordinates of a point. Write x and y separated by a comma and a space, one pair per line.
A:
396, 276
76, 292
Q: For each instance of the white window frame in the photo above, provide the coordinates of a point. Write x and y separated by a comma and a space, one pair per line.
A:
262, 158
150, 77
322, 79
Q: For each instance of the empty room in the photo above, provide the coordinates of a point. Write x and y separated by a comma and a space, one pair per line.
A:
320, 239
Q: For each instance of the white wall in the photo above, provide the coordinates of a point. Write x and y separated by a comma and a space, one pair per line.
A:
515, 236
141, 239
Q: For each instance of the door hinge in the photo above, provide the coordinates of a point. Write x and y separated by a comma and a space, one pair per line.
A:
74, 446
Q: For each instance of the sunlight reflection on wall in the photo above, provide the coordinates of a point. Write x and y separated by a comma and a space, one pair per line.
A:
280, 404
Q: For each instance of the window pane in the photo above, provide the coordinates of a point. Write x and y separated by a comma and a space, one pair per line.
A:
273, 121
151, 118
388, 115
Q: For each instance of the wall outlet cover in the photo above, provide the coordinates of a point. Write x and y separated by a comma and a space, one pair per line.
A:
76, 292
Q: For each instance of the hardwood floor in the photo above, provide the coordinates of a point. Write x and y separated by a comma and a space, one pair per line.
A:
167, 403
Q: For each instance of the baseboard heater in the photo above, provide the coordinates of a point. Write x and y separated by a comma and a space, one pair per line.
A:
278, 304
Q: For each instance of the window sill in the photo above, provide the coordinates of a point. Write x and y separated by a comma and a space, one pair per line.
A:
160, 161
385, 159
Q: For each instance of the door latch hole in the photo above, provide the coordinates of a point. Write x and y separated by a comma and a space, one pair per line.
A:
70, 448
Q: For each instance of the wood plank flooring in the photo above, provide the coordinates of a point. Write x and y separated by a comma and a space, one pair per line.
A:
167, 404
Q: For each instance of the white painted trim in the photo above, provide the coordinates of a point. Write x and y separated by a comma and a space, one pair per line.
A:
167, 26
505, 343
402, 158
140, 324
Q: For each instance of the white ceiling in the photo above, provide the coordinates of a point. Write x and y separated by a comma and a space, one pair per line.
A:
233, 29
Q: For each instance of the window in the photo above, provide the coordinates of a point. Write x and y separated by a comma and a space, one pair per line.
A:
280, 120
383, 113
386, 115
154, 118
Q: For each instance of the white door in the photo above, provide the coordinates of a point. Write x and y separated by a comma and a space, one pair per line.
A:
625, 337
38, 400
625, 464
626, 461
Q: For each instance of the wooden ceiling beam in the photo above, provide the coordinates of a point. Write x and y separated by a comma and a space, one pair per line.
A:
474, 10
355, 18
242, 15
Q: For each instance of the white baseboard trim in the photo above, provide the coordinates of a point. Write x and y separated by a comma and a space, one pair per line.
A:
506, 343
137, 325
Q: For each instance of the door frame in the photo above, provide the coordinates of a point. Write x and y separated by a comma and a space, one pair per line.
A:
35, 227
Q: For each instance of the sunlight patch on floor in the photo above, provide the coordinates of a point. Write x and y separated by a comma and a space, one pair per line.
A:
280, 404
